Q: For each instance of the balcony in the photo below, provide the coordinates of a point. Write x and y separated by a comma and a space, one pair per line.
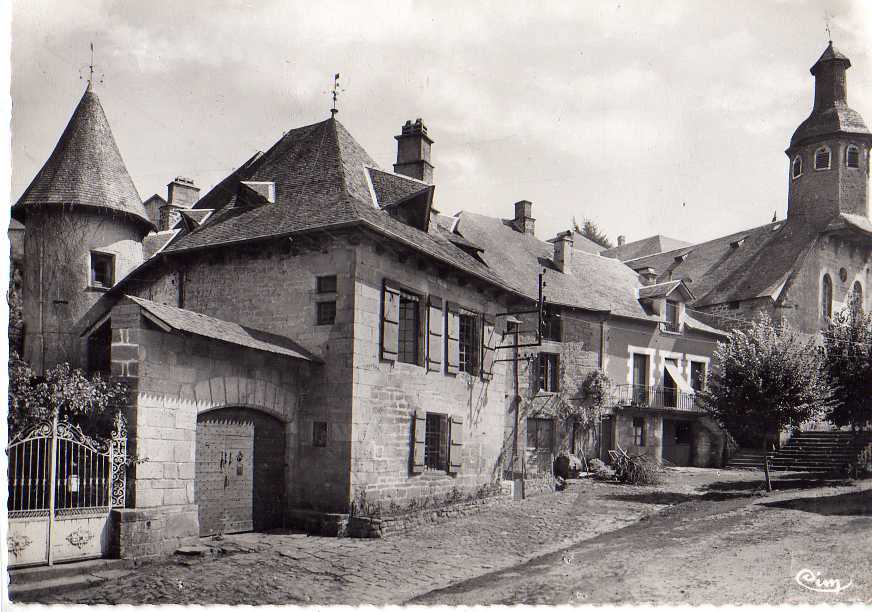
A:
656, 398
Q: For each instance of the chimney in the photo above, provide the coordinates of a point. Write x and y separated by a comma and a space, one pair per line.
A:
523, 220
413, 152
622, 240
648, 276
182, 193
563, 251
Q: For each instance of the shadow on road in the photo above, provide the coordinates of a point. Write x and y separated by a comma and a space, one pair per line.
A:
857, 503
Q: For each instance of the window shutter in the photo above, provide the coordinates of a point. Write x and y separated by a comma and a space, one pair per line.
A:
452, 342
419, 438
390, 323
435, 326
455, 452
488, 342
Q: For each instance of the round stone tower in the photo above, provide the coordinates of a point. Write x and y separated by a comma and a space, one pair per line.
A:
84, 224
829, 152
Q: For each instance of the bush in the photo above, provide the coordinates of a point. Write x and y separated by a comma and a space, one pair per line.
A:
600, 471
635, 469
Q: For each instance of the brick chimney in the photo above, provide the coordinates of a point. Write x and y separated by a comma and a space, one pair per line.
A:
413, 152
182, 192
523, 221
647, 276
563, 251
622, 240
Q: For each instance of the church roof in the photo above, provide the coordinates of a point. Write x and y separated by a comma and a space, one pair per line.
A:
645, 246
745, 265
323, 178
85, 169
830, 54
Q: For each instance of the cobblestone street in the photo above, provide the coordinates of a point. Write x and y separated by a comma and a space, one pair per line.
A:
294, 568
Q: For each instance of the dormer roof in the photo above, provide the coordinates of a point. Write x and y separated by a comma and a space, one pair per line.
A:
85, 169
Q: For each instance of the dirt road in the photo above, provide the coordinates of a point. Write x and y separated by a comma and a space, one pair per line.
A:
728, 546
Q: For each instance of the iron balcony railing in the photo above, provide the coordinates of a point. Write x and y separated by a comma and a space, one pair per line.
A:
656, 397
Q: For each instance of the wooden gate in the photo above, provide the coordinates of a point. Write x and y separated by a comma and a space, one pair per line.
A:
62, 485
240, 478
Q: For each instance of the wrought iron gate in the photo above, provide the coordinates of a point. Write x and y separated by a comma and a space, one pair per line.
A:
62, 485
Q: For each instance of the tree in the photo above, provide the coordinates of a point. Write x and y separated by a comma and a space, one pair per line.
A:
765, 379
90, 403
848, 364
591, 231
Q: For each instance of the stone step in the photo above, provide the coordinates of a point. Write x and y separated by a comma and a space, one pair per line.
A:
26, 588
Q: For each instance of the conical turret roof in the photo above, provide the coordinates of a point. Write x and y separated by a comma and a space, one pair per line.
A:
85, 169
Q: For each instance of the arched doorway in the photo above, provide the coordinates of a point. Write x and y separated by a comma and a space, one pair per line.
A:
240, 478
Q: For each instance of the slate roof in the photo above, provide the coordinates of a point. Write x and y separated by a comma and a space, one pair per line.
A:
391, 188
320, 175
583, 243
156, 241
745, 265
595, 283
857, 222
198, 324
85, 168
838, 118
661, 290
645, 246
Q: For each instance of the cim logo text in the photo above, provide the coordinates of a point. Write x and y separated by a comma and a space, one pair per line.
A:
811, 580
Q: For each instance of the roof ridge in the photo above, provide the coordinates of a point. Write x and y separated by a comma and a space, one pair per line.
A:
699, 244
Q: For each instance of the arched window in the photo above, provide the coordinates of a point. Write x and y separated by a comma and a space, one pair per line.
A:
852, 156
856, 300
827, 297
797, 167
822, 158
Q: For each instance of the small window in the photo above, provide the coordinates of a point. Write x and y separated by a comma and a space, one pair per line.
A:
797, 166
469, 343
549, 372
436, 442
827, 297
672, 317
319, 433
102, 270
822, 159
852, 157
326, 313
733, 305
697, 375
551, 328
409, 330
639, 431
327, 284
843, 275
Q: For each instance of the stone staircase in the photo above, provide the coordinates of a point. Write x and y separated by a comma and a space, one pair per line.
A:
807, 451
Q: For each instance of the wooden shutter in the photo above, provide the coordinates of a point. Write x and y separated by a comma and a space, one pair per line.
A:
452, 338
390, 323
419, 439
455, 450
488, 342
435, 325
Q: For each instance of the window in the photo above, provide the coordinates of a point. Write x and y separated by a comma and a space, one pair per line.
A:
469, 343
733, 305
827, 297
852, 157
797, 167
697, 375
671, 317
640, 379
639, 431
102, 270
551, 328
436, 442
822, 159
409, 328
327, 284
326, 313
548, 372
180, 288
319, 433
540, 433
857, 297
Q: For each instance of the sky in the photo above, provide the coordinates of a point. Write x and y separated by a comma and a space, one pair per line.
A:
647, 117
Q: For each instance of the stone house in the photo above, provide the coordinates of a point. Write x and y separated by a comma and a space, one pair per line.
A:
599, 316
802, 269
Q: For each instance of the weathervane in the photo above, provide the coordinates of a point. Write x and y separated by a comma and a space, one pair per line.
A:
336, 90
91, 66
827, 22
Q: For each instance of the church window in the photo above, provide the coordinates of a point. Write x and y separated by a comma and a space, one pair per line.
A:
797, 166
827, 297
102, 269
857, 297
852, 157
822, 159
